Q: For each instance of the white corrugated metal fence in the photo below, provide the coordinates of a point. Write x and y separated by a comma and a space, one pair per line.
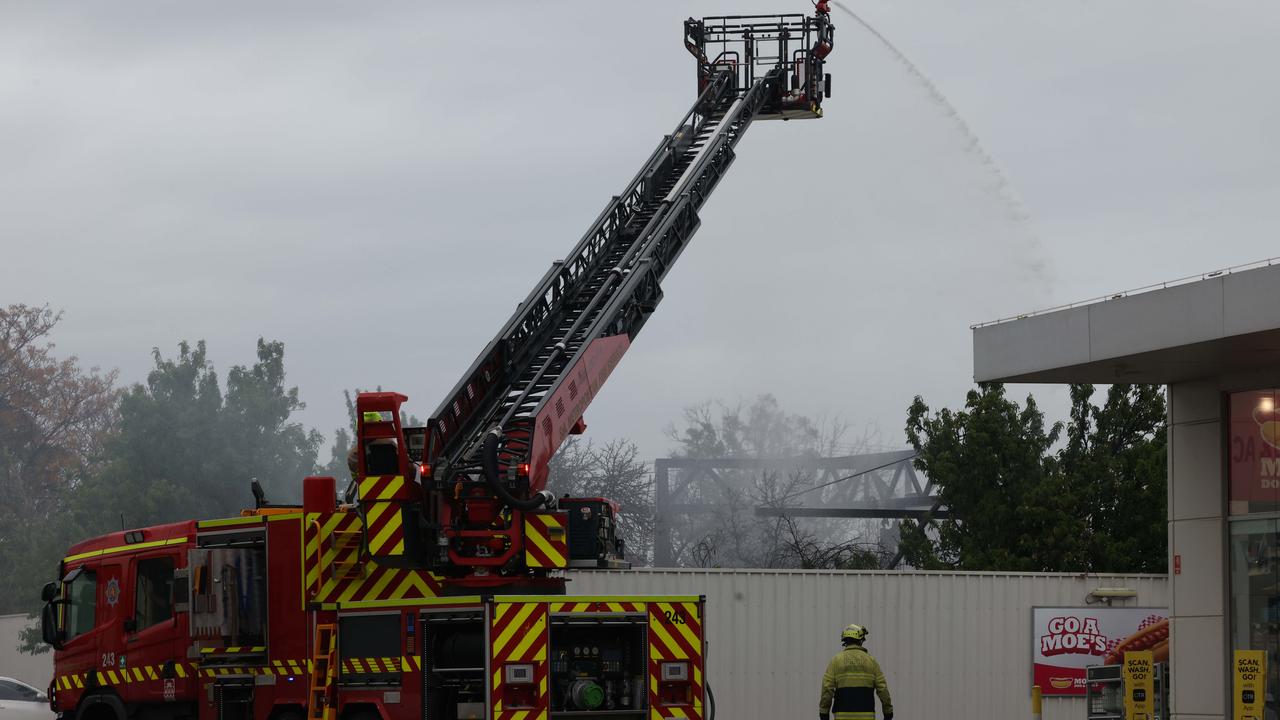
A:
953, 645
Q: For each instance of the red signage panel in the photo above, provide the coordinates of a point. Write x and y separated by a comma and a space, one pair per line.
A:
1253, 450
1068, 639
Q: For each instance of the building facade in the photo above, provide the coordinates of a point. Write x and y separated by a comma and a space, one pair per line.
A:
1215, 343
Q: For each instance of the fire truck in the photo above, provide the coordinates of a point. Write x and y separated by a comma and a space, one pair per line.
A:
433, 585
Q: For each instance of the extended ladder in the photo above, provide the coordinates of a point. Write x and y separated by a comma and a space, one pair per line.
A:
609, 284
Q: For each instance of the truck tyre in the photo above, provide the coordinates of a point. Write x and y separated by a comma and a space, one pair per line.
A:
100, 706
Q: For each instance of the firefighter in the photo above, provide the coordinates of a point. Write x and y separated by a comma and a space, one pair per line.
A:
851, 678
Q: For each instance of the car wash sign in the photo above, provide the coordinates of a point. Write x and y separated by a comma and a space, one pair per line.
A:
1067, 640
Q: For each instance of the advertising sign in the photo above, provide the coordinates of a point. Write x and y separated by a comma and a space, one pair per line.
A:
1254, 449
1066, 640
1139, 685
1250, 673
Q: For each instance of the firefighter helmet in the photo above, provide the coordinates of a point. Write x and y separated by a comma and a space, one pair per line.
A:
853, 633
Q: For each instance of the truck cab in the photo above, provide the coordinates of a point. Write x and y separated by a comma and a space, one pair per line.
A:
116, 617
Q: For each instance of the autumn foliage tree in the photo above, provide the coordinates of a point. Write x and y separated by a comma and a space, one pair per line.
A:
54, 416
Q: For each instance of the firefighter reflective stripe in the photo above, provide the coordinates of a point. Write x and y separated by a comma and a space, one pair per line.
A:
675, 635
850, 684
545, 543
518, 634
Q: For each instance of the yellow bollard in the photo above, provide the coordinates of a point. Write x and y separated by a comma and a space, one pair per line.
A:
1035, 702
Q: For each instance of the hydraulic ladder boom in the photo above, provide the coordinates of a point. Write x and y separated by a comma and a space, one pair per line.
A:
484, 453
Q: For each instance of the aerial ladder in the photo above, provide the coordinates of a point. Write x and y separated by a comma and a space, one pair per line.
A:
464, 496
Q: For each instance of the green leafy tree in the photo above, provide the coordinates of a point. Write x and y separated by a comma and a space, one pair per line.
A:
1114, 461
995, 473
185, 449
1017, 503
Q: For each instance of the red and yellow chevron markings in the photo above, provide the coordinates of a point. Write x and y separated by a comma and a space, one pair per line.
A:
379, 665
334, 570
597, 607
332, 548
295, 667
234, 650
124, 676
519, 634
379, 496
545, 542
675, 634
381, 487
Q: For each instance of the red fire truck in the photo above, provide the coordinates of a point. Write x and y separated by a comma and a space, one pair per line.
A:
273, 614
433, 586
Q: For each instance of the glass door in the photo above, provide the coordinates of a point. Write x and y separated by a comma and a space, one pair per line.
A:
1255, 596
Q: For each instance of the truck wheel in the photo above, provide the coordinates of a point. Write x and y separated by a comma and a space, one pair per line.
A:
101, 706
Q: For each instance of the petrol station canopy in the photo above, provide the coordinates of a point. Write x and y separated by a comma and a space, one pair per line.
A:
1220, 323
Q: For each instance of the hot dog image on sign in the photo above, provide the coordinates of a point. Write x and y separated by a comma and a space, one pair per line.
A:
1067, 640
1254, 451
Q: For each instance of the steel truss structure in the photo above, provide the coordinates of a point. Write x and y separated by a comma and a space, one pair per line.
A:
876, 486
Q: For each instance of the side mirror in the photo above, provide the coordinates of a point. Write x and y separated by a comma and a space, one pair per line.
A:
49, 592
49, 626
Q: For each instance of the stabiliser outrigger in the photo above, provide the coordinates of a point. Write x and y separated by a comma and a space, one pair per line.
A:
435, 591
479, 465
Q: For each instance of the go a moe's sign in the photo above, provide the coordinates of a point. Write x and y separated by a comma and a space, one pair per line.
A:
1066, 640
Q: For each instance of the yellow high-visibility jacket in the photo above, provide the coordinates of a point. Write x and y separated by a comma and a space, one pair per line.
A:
850, 684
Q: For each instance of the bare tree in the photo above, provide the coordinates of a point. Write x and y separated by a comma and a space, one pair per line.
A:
614, 471
733, 534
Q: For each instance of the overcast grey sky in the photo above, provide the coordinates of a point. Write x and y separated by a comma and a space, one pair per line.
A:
378, 184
